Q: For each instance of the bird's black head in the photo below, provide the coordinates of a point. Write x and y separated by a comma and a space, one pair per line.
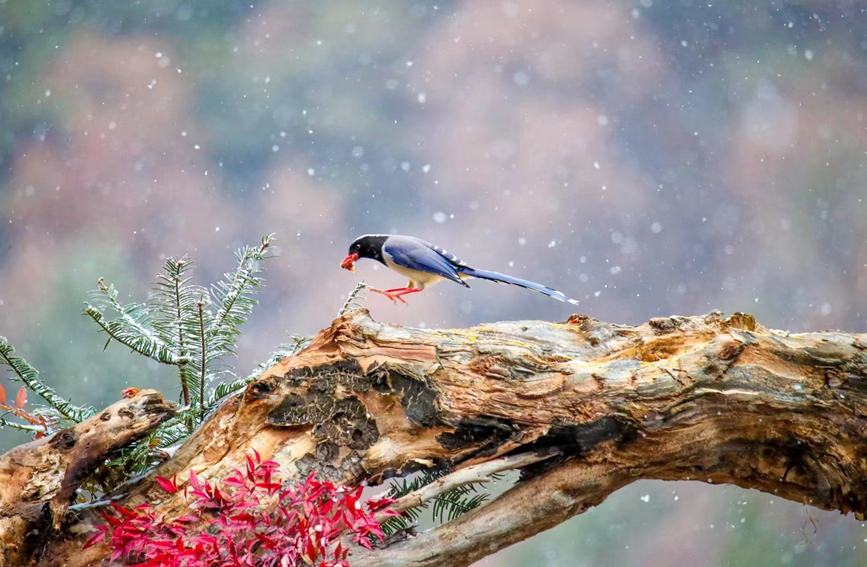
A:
367, 246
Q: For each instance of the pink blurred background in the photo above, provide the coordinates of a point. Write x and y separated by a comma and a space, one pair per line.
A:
648, 158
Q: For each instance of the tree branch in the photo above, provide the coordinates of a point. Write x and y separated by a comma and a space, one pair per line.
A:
41, 477
699, 398
519, 513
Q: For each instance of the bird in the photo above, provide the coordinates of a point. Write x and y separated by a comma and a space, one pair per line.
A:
425, 264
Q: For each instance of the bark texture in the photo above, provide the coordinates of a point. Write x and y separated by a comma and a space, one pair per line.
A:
41, 477
709, 398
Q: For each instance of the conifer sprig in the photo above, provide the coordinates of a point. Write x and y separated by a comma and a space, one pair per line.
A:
59, 410
188, 326
26, 427
445, 507
132, 329
351, 301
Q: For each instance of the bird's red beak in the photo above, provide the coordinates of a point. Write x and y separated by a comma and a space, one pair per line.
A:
348, 263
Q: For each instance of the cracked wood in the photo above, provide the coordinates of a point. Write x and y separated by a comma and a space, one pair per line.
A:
706, 398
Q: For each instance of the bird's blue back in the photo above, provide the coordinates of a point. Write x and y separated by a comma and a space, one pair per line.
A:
416, 254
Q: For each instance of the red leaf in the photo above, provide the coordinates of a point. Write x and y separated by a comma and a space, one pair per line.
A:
377, 503
363, 542
112, 521
250, 467
236, 479
194, 480
271, 487
2, 395
169, 486
21, 398
97, 537
125, 512
266, 540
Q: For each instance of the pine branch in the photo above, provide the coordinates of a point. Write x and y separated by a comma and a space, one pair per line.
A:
173, 434
454, 504
131, 336
185, 388
174, 303
351, 302
177, 326
448, 491
407, 520
202, 337
399, 489
29, 428
226, 389
180, 266
234, 294
133, 329
23, 372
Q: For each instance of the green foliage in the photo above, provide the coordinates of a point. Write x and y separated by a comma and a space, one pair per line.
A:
457, 502
399, 489
187, 326
56, 414
182, 325
444, 508
125, 463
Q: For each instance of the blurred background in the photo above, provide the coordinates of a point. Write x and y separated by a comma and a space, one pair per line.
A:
648, 157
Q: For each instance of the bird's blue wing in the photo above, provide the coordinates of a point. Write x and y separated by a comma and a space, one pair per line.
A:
417, 254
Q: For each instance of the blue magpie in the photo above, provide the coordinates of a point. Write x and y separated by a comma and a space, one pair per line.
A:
425, 264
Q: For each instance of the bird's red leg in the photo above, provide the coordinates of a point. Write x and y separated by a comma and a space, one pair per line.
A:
395, 294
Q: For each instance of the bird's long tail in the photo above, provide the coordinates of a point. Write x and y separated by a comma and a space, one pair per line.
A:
503, 278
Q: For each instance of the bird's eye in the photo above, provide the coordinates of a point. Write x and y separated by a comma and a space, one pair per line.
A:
356, 246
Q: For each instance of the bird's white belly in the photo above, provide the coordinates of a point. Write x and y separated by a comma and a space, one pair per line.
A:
417, 277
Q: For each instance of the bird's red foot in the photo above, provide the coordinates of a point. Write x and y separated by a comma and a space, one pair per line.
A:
395, 294
389, 295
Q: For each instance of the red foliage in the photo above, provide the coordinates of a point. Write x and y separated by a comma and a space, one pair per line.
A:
21, 398
252, 522
20, 402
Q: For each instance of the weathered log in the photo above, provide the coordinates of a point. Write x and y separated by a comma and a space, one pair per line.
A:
700, 398
40, 478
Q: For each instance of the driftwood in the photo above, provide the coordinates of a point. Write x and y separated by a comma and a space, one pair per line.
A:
582, 408
41, 477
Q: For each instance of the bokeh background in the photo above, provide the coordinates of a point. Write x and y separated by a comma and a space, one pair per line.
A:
648, 157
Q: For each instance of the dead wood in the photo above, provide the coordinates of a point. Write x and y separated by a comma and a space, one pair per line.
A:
714, 399
40, 478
